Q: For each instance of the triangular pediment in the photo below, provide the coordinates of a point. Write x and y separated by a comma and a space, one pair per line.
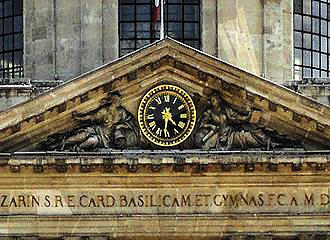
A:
279, 109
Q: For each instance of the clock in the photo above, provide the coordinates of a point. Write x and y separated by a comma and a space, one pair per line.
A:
166, 115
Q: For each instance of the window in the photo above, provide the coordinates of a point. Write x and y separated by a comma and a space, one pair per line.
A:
137, 28
311, 38
11, 38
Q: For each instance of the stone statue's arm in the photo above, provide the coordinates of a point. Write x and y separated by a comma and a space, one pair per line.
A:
206, 118
237, 117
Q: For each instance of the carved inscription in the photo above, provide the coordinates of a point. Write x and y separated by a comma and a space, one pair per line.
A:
153, 201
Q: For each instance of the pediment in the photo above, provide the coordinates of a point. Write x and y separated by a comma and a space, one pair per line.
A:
277, 108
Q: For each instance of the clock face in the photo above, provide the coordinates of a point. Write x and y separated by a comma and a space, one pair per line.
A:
167, 115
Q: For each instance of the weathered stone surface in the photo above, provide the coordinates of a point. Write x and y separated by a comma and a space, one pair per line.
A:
278, 40
279, 106
210, 27
129, 204
240, 34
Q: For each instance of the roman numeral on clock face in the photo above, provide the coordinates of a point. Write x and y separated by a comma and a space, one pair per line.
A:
158, 100
181, 107
152, 125
181, 125
167, 134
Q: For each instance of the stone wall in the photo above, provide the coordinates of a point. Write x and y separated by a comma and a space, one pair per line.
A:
318, 89
64, 39
257, 39
156, 195
16, 91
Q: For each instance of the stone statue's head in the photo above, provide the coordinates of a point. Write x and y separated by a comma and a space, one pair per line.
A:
216, 101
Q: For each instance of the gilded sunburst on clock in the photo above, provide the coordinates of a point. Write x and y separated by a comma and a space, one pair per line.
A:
167, 115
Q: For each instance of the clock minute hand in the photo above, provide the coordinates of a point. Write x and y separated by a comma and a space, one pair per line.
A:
172, 121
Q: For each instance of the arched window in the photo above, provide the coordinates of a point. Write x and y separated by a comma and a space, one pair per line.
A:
311, 38
11, 38
138, 27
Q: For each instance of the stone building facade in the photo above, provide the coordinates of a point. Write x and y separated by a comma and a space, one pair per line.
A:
63, 40
105, 136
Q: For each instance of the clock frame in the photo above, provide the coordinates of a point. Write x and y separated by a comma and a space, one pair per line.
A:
166, 115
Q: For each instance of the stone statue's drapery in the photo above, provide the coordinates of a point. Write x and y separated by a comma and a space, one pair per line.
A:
223, 128
109, 126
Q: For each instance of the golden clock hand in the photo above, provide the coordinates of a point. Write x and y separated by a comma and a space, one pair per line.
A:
172, 121
166, 121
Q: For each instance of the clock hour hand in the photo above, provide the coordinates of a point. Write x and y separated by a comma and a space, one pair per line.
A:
166, 121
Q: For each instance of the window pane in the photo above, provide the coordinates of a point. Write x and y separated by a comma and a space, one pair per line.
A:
324, 10
307, 72
297, 73
1, 62
142, 43
18, 24
18, 58
316, 42
316, 25
1, 9
8, 25
298, 56
8, 8
125, 1
324, 61
316, 73
174, 13
192, 43
307, 41
18, 41
298, 39
174, 1
8, 42
307, 58
307, 7
298, 6
316, 59
191, 1
127, 44
307, 23
316, 8
127, 13
323, 27
297, 22
191, 30
143, 12
324, 45
191, 13
7, 60
175, 30
324, 74
143, 30
127, 30
18, 7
